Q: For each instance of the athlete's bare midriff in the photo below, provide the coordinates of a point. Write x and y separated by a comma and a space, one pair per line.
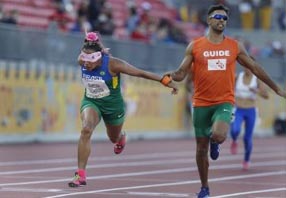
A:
245, 103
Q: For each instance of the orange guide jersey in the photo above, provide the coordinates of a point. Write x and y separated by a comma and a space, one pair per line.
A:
214, 71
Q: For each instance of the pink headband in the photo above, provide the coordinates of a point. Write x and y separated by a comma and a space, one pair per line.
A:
93, 57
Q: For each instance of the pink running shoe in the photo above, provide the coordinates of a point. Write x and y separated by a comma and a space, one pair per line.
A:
245, 165
77, 181
119, 146
233, 148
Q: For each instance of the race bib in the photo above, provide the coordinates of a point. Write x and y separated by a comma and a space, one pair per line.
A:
216, 64
96, 89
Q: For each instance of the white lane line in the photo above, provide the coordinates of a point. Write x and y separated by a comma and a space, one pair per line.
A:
251, 192
29, 190
155, 194
165, 171
171, 184
140, 163
104, 176
262, 151
97, 159
111, 165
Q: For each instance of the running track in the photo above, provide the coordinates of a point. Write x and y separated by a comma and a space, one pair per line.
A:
146, 169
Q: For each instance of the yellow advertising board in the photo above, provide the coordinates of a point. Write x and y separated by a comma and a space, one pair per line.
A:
150, 106
47, 100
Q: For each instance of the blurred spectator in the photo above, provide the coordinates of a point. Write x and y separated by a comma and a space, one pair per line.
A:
266, 51
61, 18
10, 17
265, 14
93, 11
177, 35
58, 2
250, 48
279, 124
1, 12
132, 20
277, 48
145, 23
282, 19
246, 9
273, 49
163, 32
82, 9
168, 32
184, 14
202, 17
153, 29
196, 20
140, 33
104, 24
144, 13
81, 25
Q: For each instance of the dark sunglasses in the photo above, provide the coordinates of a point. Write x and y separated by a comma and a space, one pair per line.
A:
219, 17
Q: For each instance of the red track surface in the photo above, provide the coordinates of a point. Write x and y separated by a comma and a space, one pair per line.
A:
146, 169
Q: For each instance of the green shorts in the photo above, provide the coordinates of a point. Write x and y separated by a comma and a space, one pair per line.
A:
204, 117
112, 113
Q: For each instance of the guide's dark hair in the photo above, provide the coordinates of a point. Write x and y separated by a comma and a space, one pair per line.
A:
217, 7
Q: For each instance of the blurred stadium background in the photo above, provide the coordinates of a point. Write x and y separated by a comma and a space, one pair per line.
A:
40, 88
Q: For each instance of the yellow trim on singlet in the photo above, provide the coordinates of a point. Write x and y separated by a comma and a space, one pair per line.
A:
114, 82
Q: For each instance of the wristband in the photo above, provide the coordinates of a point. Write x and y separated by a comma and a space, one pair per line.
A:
166, 80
